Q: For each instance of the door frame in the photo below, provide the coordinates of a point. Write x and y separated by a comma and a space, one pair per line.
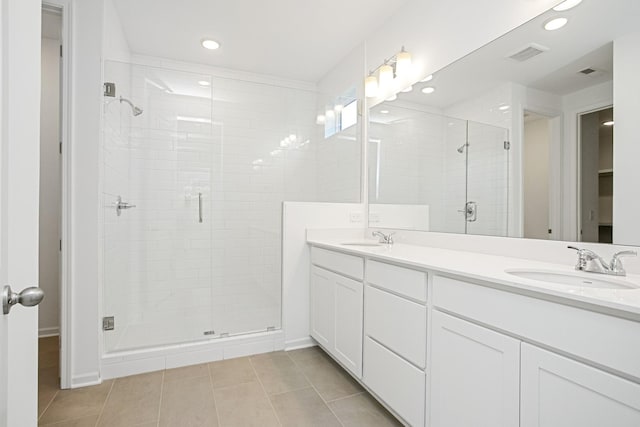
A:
591, 109
64, 7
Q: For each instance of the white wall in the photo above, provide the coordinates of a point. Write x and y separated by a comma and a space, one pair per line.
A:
50, 189
626, 204
536, 179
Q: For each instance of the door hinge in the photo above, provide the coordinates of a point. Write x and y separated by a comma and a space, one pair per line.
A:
60, 147
108, 323
212, 332
60, 51
507, 145
550, 231
60, 242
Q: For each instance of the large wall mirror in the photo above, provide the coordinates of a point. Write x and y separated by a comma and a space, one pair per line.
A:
520, 138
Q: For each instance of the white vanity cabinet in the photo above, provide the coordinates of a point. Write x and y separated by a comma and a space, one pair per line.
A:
395, 342
475, 375
558, 391
336, 304
501, 380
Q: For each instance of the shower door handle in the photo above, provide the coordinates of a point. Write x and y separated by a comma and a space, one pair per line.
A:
200, 207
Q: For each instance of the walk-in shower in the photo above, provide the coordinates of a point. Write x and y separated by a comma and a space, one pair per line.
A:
199, 258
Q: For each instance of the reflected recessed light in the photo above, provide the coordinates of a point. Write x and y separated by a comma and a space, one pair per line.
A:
204, 83
428, 89
427, 79
555, 24
503, 107
210, 44
608, 123
384, 111
566, 5
392, 97
407, 89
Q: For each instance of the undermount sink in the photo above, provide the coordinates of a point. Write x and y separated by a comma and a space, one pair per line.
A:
573, 279
361, 244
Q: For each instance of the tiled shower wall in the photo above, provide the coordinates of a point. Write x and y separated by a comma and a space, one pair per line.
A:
246, 147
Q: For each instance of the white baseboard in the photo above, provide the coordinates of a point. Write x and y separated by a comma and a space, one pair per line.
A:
48, 332
299, 343
86, 380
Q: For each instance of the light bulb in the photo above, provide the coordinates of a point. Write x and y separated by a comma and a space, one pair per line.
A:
371, 87
385, 76
403, 63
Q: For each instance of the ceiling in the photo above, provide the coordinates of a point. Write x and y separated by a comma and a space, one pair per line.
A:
51, 24
586, 41
291, 39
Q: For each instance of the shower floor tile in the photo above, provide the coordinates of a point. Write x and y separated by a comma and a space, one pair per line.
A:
298, 388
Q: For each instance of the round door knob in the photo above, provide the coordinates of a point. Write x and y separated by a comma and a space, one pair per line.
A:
29, 297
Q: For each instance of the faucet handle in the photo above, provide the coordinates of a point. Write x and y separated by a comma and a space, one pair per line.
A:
616, 264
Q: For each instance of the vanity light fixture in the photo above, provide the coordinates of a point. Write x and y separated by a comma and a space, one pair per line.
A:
399, 65
204, 83
608, 123
429, 89
555, 24
566, 5
210, 44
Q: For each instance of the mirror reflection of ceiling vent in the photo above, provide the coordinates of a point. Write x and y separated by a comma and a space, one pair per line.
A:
592, 72
528, 52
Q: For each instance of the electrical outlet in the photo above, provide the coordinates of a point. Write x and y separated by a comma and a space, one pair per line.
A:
355, 217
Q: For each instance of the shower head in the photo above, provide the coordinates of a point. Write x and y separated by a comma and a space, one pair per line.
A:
136, 111
462, 147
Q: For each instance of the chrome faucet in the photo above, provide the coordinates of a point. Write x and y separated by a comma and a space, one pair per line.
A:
384, 238
589, 261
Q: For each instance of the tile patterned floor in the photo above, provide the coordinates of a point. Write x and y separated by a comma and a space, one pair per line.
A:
297, 388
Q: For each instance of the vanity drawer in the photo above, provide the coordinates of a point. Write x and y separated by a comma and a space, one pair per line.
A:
399, 324
344, 264
398, 383
399, 280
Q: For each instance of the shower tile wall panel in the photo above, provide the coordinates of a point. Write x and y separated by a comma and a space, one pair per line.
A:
187, 277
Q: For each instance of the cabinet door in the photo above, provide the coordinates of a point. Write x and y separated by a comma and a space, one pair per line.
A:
475, 375
557, 391
348, 321
322, 307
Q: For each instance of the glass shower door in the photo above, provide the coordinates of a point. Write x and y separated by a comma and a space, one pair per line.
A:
158, 160
487, 180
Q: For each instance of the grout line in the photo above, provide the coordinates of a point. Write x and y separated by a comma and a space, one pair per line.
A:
346, 397
213, 393
316, 390
265, 392
104, 405
49, 404
161, 393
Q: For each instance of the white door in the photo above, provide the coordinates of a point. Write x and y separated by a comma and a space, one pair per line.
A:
19, 175
559, 392
348, 321
321, 304
475, 375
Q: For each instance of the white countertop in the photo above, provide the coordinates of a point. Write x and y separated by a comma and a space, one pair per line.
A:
491, 268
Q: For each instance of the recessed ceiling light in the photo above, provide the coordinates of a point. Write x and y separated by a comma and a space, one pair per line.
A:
428, 89
204, 83
407, 89
384, 111
608, 123
427, 79
210, 44
566, 5
503, 107
555, 24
